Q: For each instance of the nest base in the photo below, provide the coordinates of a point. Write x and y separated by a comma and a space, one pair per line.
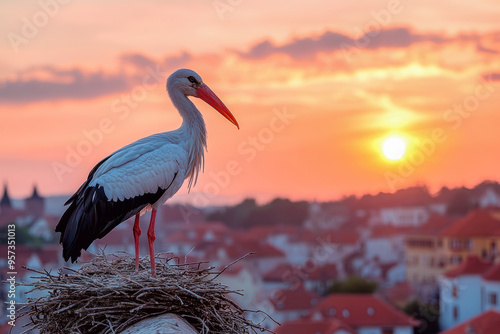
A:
107, 295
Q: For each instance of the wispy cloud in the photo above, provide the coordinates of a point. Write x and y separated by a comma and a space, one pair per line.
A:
495, 76
307, 47
141, 61
62, 84
49, 83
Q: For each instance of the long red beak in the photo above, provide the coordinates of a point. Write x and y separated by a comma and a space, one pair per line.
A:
209, 97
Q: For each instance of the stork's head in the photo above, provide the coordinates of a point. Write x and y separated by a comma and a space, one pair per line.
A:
189, 83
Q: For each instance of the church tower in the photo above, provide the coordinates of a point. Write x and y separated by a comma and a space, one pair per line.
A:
5, 203
35, 204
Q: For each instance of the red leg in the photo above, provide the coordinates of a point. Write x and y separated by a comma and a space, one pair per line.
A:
151, 240
137, 233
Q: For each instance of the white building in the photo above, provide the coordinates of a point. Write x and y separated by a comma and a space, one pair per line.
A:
462, 292
489, 198
490, 298
404, 216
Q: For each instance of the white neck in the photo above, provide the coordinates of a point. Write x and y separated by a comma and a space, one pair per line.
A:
194, 127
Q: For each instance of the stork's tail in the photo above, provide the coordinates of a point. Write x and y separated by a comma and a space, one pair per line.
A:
78, 224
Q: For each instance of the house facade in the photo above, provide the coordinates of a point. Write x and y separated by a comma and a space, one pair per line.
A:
442, 245
468, 291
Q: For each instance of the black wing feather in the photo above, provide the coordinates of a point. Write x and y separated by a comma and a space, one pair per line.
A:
92, 215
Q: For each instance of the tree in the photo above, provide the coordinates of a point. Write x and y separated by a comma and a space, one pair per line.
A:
23, 237
248, 214
427, 314
354, 284
459, 202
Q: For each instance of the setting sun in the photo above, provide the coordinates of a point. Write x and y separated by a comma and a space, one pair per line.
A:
394, 148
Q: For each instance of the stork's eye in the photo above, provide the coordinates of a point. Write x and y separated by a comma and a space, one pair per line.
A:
192, 79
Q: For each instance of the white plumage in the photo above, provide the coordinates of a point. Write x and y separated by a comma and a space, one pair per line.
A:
141, 175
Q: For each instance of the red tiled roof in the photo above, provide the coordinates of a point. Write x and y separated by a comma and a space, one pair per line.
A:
472, 266
304, 326
326, 272
279, 273
260, 248
485, 323
434, 225
493, 274
296, 299
389, 231
362, 310
479, 222
341, 237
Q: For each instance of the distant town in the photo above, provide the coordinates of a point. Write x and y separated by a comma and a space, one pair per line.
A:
405, 262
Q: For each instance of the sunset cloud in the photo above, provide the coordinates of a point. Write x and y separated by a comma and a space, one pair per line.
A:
142, 61
308, 47
49, 83
492, 76
64, 84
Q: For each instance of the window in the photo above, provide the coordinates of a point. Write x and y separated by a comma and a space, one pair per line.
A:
484, 254
454, 291
345, 313
455, 313
455, 259
493, 299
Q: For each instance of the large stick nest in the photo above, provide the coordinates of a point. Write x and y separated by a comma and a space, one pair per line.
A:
107, 295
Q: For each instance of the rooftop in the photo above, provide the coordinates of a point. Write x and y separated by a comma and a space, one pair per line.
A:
485, 323
362, 310
304, 326
472, 266
479, 223
296, 299
493, 274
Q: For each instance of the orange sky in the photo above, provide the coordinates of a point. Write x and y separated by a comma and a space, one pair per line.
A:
315, 86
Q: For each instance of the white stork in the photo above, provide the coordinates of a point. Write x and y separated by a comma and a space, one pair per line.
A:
142, 175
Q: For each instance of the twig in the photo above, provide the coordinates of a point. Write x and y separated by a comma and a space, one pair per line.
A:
229, 265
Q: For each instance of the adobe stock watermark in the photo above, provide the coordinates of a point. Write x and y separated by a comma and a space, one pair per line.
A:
31, 26
454, 117
223, 7
121, 108
372, 28
248, 149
